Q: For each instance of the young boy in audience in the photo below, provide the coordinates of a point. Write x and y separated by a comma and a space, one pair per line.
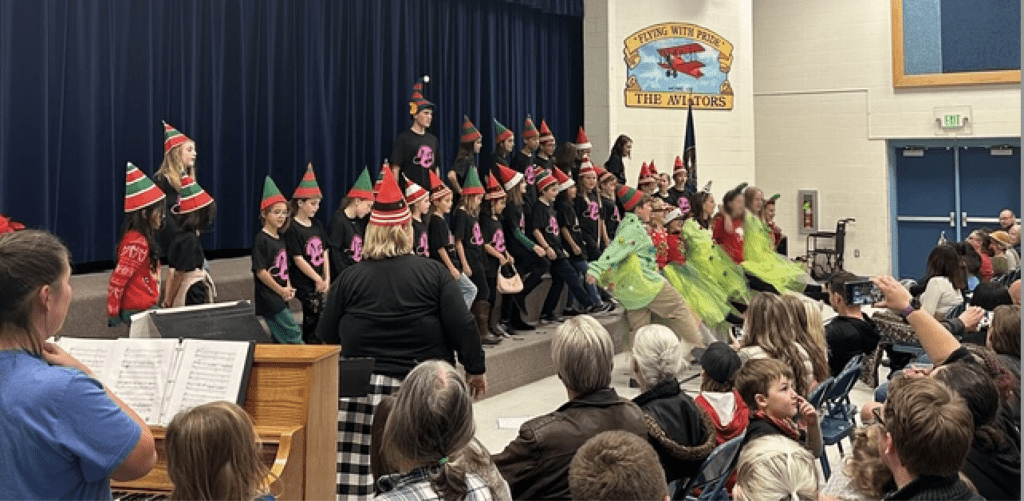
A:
766, 388
619, 466
718, 396
927, 436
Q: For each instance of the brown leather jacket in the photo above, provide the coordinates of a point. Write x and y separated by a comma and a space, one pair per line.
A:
536, 463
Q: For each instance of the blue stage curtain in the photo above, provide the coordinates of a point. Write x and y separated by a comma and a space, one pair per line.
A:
263, 87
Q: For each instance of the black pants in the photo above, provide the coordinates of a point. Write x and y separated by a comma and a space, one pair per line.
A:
562, 273
312, 305
532, 269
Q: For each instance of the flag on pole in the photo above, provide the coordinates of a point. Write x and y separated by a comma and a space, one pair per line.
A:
690, 153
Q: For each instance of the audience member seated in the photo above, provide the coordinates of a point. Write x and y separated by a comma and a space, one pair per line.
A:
213, 453
988, 296
1007, 384
431, 421
864, 476
680, 432
944, 283
927, 437
64, 435
773, 467
1008, 223
810, 337
972, 265
1015, 292
536, 463
766, 388
850, 332
981, 242
617, 466
1002, 247
1004, 336
718, 396
993, 463
768, 333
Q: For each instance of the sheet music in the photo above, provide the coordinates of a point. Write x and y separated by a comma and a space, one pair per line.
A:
138, 372
91, 352
208, 371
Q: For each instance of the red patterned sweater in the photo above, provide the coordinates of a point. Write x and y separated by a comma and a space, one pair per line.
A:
134, 286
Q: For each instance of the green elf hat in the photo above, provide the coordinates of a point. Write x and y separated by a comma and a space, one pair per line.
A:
192, 197
530, 130
469, 132
308, 188
501, 132
139, 190
473, 186
773, 198
629, 197
363, 187
417, 102
737, 190
173, 138
271, 195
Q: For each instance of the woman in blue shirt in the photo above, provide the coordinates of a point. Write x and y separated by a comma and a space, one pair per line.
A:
64, 435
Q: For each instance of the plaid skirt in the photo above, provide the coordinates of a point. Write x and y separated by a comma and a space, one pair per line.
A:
355, 419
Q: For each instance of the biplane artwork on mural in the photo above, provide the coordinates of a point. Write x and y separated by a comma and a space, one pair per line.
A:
674, 65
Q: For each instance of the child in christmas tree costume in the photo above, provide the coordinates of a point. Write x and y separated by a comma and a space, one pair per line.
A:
135, 283
629, 267
761, 260
306, 242
709, 260
270, 268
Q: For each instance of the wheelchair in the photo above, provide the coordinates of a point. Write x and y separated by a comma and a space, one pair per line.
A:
825, 250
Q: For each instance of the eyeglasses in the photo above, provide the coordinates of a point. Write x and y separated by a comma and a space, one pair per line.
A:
279, 213
877, 411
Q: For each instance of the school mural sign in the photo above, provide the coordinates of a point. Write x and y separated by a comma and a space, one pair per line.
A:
674, 65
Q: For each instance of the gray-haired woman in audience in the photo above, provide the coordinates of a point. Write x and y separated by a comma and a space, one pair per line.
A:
681, 433
432, 421
536, 463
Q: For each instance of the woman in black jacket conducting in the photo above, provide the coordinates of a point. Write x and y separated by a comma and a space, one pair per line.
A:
389, 307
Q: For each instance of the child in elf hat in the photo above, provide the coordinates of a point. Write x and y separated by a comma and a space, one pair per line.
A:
135, 282
629, 266
495, 248
663, 185
546, 152
546, 231
779, 241
189, 282
766, 386
607, 187
572, 237
728, 223
306, 244
583, 148
529, 256
418, 201
765, 268
179, 160
349, 225
442, 245
647, 182
469, 245
270, 268
678, 191
524, 162
414, 153
470, 143
590, 212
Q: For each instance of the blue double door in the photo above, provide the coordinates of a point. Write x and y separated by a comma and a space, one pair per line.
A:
949, 190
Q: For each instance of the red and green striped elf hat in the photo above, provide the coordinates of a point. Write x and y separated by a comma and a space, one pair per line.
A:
629, 197
545, 133
192, 196
139, 190
469, 131
530, 130
494, 190
308, 187
271, 195
417, 102
363, 187
501, 132
389, 208
472, 185
173, 138
544, 179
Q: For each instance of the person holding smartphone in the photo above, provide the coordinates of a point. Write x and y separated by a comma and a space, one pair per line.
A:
851, 332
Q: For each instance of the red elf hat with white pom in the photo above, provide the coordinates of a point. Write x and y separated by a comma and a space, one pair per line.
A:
389, 208
414, 193
564, 182
545, 133
581, 140
587, 168
509, 177
494, 190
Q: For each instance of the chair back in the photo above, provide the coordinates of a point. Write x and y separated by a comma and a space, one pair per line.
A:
714, 473
817, 396
845, 381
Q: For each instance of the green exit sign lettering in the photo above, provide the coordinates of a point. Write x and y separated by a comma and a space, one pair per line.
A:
950, 121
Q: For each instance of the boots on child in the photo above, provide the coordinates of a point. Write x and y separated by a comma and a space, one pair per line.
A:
482, 312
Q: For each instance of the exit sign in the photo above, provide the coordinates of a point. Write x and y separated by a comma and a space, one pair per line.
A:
952, 121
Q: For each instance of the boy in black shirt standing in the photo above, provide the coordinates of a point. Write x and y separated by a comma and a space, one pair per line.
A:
547, 233
414, 153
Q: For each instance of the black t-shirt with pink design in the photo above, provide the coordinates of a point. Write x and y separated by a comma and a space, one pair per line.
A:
268, 253
309, 243
494, 236
466, 229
